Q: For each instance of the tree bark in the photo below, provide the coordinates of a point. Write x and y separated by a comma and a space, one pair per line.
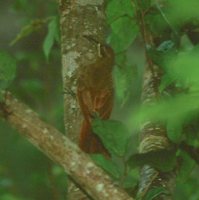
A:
78, 18
154, 137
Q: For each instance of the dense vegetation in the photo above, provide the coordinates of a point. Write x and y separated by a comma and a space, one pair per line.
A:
30, 68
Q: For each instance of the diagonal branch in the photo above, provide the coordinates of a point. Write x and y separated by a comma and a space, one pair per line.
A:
60, 149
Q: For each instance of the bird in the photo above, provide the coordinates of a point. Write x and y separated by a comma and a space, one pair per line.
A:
95, 94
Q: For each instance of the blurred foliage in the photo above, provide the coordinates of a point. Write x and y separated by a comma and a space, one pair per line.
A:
155, 192
162, 160
25, 173
174, 27
182, 11
34, 25
30, 67
7, 71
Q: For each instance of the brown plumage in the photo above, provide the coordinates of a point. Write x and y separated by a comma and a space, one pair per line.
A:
95, 95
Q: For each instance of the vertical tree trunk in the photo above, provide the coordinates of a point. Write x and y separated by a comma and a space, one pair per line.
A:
78, 18
153, 135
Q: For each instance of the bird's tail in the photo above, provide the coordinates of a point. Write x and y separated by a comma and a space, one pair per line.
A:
89, 142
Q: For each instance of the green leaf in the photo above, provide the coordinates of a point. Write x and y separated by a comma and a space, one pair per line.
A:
181, 11
113, 134
51, 37
119, 8
33, 26
165, 82
9, 197
184, 68
186, 167
176, 111
155, 192
131, 179
174, 130
191, 130
163, 160
7, 70
123, 78
124, 31
107, 164
185, 43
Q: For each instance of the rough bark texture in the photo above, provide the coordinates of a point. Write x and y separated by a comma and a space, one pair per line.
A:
153, 137
56, 146
78, 18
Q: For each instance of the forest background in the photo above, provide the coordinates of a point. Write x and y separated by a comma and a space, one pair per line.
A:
30, 40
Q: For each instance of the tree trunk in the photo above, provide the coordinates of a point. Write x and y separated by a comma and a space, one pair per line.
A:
153, 135
78, 18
